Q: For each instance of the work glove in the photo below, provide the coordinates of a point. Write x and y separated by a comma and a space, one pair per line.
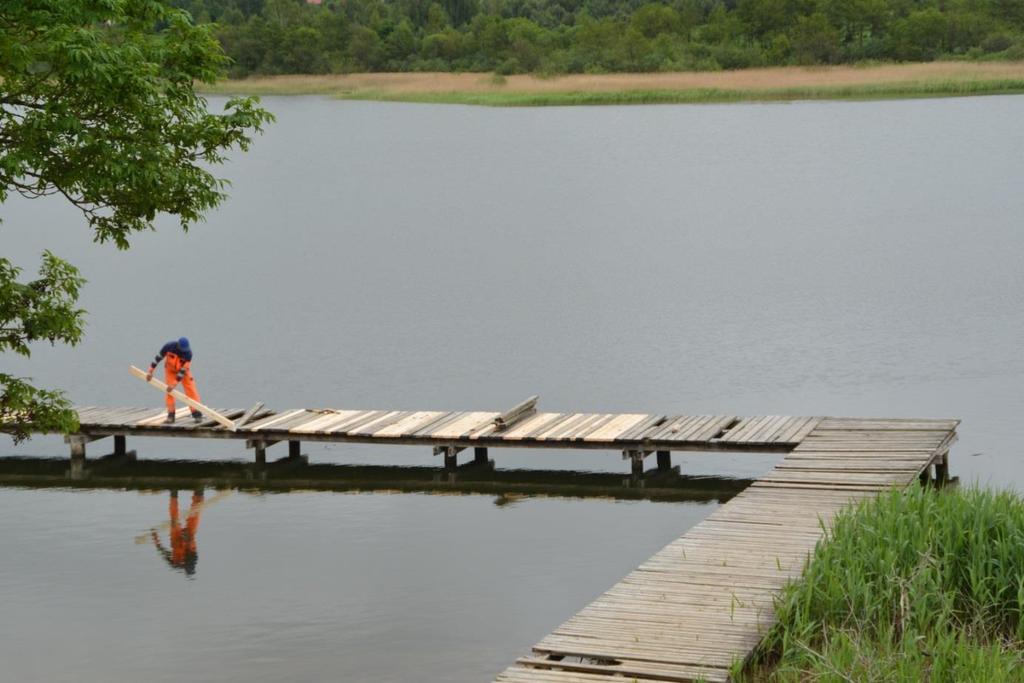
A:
149, 375
170, 388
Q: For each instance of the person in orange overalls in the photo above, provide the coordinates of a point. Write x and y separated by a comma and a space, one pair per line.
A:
177, 358
183, 553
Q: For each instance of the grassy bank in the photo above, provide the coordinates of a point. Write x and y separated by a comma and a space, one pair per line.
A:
913, 586
888, 81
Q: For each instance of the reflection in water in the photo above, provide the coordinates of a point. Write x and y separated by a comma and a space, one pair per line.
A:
508, 485
182, 554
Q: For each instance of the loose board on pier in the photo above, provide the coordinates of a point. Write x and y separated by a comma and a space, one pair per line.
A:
206, 410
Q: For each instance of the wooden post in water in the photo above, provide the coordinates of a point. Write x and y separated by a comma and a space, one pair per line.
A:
664, 460
942, 469
77, 443
451, 458
480, 456
294, 450
637, 462
260, 447
120, 445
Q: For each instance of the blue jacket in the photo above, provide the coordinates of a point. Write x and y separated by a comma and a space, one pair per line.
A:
172, 347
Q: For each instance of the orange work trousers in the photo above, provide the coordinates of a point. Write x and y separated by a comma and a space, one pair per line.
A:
172, 364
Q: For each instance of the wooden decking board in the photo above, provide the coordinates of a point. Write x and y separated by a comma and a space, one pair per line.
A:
325, 421
270, 419
409, 422
371, 428
349, 427
614, 427
637, 432
683, 428
336, 423
599, 421
297, 420
711, 428
456, 428
441, 421
582, 427
565, 421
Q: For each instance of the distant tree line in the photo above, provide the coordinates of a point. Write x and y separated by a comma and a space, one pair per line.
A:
577, 36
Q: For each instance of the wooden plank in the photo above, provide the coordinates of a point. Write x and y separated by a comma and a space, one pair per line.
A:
519, 432
580, 427
356, 422
517, 413
427, 429
738, 430
711, 430
651, 424
409, 423
304, 416
206, 410
327, 420
248, 415
457, 428
765, 432
672, 426
270, 420
616, 426
374, 427
601, 420
564, 427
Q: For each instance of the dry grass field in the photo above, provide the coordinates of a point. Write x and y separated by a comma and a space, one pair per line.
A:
784, 83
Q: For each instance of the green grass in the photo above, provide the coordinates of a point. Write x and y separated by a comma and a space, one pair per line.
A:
499, 98
912, 586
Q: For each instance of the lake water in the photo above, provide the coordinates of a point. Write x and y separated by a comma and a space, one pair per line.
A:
809, 258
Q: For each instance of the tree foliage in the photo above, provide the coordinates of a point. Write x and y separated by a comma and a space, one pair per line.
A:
97, 105
558, 36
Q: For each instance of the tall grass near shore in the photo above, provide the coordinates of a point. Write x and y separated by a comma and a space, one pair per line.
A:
920, 585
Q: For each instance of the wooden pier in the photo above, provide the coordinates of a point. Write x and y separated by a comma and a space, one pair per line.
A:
700, 605
636, 435
704, 601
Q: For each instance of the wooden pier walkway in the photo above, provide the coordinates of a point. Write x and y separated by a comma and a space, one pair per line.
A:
637, 435
699, 605
705, 600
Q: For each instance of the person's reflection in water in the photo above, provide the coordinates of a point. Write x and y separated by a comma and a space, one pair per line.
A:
183, 554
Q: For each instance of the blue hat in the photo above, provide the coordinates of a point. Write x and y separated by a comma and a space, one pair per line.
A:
183, 343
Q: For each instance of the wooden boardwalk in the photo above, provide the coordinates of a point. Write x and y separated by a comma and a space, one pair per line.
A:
637, 435
700, 604
705, 600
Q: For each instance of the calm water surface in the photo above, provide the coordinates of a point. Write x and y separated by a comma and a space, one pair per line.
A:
814, 258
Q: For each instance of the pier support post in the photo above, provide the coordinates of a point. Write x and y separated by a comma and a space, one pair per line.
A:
926, 475
480, 455
260, 449
664, 460
294, 450
451, 458
78, 447
636, 462
120, 445
942, 469
77, 443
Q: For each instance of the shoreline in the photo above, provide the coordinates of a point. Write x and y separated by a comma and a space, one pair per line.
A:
874, 82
